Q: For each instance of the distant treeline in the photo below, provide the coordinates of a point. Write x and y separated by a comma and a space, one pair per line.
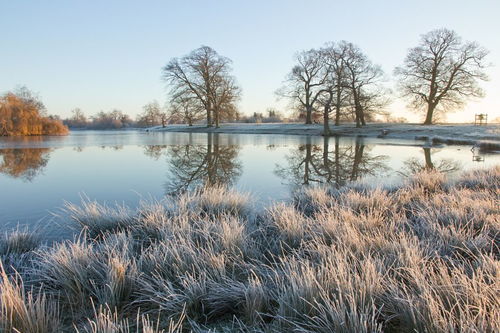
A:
22, 113
155, 115
114, 119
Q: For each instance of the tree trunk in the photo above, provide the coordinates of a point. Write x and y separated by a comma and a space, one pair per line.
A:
361, 113
309, 114
327, 166
362, 117
216, 118
325, 152
326, 125
430, 113
357, 107
210, 164
307, 161
337, 162
358, 157
358, 123
337, 108
428, 159
209, 115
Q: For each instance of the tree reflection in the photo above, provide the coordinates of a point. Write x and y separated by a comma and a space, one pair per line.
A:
414, 165
337, 165
155, 152
193, 166
24, 163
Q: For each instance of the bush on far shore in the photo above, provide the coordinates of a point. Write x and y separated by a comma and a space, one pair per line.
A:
22, 113
421, 257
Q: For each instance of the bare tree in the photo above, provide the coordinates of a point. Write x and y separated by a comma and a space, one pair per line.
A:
206, 75
362, 79
304, 84
334, 93
153, 115
186, 108
442, 72
225, 96
77, 120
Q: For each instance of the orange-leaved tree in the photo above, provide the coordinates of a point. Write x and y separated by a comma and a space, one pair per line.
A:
22, 113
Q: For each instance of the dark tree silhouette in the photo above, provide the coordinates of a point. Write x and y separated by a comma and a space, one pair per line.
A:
362, 80
335, 94
442, 72
205, 76
186, 108
304, 84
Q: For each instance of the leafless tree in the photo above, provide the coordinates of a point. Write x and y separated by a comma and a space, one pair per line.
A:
77, 120
334, 93
186, 108
442, 72
363, 78
304, 84
207, 76
153, 115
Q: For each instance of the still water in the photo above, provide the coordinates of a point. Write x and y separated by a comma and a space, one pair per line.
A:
38, 174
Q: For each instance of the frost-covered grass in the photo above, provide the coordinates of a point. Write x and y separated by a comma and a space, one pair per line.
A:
422, 257
486, 137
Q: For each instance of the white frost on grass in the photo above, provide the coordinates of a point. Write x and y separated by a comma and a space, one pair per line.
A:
468, 134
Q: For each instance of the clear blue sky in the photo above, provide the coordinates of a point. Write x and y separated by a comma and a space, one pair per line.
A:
99, 55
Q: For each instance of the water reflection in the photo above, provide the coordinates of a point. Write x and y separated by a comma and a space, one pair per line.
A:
122, 166
155, 151
24, 164
314, 164
192, 165
414, 165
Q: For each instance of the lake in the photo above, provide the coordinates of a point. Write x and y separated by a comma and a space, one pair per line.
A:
38, 174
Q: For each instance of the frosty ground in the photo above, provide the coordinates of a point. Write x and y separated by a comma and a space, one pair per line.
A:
437, 134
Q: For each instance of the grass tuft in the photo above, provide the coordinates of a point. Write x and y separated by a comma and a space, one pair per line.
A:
421, 257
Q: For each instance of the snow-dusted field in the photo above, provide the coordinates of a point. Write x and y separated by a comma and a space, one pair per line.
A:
452, 133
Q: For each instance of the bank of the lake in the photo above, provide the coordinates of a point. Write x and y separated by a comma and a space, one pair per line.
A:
449, 134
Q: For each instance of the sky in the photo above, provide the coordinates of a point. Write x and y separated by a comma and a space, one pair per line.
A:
101, 55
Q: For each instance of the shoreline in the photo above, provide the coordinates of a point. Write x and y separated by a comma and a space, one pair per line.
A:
487, 137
